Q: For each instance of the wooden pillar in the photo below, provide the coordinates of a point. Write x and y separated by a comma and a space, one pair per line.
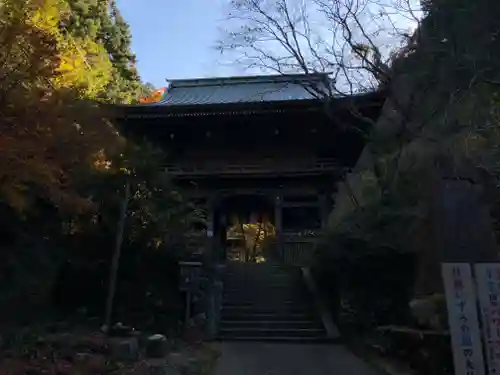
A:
211, 244
278, 221
222, 235
254, 217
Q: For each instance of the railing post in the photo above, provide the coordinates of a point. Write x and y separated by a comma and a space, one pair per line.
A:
278, 222
211, 239
215, 301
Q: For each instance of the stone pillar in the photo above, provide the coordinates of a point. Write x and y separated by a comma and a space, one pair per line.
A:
278, 221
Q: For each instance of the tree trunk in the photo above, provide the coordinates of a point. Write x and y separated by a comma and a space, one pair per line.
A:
116, 257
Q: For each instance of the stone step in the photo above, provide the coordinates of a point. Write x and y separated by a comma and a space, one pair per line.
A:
264, 302
260, 286
270, 304
259, 275
250, 312
274, 324
256, 270
262, 276
289, 292
267, 316
254, 274
262, 271
252, 290
273, 291
271, 332
283, 293
262, 279
277, 339
269, 265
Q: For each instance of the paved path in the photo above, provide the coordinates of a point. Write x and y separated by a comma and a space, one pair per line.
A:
289, 359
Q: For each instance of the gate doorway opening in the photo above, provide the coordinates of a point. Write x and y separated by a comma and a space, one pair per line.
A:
248, 228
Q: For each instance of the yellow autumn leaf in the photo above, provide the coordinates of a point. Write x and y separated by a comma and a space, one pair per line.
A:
83, 64
47, 15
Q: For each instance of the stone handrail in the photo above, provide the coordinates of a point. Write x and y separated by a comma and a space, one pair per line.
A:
214, 307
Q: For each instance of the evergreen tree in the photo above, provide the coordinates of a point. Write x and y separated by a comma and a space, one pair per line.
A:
101, 21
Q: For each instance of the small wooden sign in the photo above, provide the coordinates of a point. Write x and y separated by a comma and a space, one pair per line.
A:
488, 285
190, 274
463, 319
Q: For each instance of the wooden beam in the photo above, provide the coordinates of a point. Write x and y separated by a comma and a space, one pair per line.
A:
207, 192
300, 204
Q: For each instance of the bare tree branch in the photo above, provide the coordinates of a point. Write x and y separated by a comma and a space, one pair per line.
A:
352, 42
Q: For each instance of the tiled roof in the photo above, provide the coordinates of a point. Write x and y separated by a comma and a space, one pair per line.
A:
240, 89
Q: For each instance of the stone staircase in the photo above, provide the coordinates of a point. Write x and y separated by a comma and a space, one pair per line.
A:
266, 302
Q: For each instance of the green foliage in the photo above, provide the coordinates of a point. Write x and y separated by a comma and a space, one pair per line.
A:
64, 165
157, 225
102, 22
48, 134
158, 216
345, 273
440, 118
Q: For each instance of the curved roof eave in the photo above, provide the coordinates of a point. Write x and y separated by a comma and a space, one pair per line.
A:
371, 99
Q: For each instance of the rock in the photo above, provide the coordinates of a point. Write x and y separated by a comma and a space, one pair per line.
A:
156, 337
82, 357
427, 311
159, 367
96, 363
156, 346
95, 342
120, 330
164, 370
124, 349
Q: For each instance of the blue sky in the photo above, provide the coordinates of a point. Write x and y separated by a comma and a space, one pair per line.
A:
174, 39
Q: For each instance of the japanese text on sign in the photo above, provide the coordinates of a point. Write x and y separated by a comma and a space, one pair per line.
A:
463, 320
488, 283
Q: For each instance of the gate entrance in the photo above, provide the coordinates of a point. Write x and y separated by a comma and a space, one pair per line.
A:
248, 228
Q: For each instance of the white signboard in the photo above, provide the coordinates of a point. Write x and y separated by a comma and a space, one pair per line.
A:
488, 285
463, 320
